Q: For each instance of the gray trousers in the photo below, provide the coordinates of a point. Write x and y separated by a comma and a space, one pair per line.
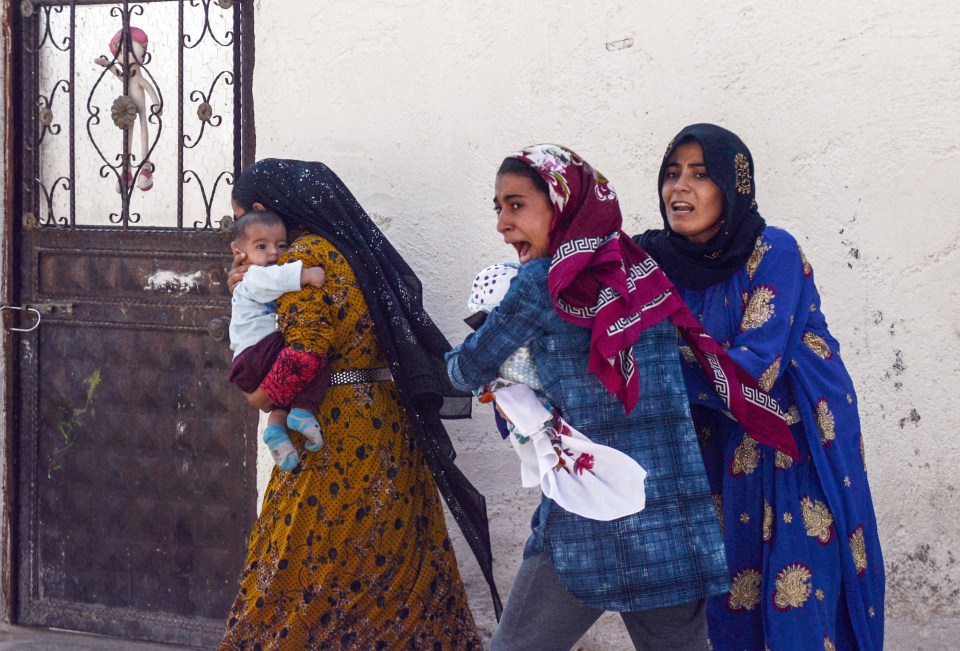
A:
541, 615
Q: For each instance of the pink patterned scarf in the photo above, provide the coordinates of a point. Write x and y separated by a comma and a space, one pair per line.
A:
601, 279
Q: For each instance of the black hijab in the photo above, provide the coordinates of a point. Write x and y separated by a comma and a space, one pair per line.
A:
310, 195
730, 166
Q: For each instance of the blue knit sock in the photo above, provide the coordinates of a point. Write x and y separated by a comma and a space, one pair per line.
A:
281, 447
303, 421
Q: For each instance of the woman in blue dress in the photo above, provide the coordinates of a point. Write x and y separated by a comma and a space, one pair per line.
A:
801, 536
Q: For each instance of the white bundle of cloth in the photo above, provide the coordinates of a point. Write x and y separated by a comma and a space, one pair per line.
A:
591, 480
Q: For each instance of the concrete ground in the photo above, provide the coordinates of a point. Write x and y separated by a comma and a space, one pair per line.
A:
17, 638
936, 634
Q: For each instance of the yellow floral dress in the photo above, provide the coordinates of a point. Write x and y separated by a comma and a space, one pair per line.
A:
350, 550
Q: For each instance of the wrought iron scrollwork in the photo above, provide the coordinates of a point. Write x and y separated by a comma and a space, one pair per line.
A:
189, 42
205, 109
45, 115
48, 195
53, 130
227, 177
28, 8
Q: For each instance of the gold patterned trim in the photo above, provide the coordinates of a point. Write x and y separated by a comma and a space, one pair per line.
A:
744, 178
782, 460
758, 308
769, 377
718, 505
744, 590
767, 521
825, 423
759, 250
817, 519
858, 549
818, 345
792, 588
746, 458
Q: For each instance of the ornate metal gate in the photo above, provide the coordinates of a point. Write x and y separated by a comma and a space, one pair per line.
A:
136, 459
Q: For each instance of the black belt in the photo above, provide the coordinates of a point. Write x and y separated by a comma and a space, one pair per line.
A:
360, 376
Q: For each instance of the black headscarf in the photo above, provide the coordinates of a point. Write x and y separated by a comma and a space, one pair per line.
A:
310, 195
730, 166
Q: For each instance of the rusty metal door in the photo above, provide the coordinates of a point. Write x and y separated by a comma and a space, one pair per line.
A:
135, 458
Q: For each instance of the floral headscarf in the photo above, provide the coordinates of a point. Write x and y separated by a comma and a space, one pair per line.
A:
601, 279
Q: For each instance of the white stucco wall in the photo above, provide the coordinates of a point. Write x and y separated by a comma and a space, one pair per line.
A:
850, 109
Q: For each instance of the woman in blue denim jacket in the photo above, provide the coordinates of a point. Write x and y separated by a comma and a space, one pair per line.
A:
601, 321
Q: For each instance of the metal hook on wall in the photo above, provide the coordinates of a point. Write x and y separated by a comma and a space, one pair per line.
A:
23, 309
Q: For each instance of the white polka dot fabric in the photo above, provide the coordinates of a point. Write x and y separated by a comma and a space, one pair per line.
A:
490, 286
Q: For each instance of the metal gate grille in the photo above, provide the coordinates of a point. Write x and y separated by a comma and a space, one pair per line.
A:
135, 114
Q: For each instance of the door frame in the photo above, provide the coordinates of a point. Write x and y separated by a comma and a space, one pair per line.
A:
9, 263
10, 229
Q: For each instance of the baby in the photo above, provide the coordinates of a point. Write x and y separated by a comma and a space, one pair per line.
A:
254, 337
592, 480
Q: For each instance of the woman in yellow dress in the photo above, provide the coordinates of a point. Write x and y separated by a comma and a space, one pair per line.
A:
351, 550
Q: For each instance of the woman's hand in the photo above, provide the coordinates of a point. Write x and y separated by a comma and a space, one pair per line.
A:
237, 270
260, 400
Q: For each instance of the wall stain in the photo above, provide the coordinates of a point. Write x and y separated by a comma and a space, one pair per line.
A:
898, 366
918, 584
855, 254
382, 221
71, 420
914, 418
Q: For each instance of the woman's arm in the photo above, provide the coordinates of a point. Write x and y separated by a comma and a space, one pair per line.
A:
306, 323
769, 329
514, 323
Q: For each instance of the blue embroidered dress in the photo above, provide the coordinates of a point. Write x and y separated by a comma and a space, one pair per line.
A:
801, 538
669, 553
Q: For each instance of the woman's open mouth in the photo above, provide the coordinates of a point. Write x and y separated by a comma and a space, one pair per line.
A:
681, 208
524, 250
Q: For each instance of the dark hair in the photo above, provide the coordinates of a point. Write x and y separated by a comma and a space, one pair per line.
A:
254, 218
516, 166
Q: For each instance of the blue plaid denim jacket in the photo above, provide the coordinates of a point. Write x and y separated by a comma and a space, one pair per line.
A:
672, 551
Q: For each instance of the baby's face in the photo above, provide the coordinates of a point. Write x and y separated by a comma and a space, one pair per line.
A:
264, 244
